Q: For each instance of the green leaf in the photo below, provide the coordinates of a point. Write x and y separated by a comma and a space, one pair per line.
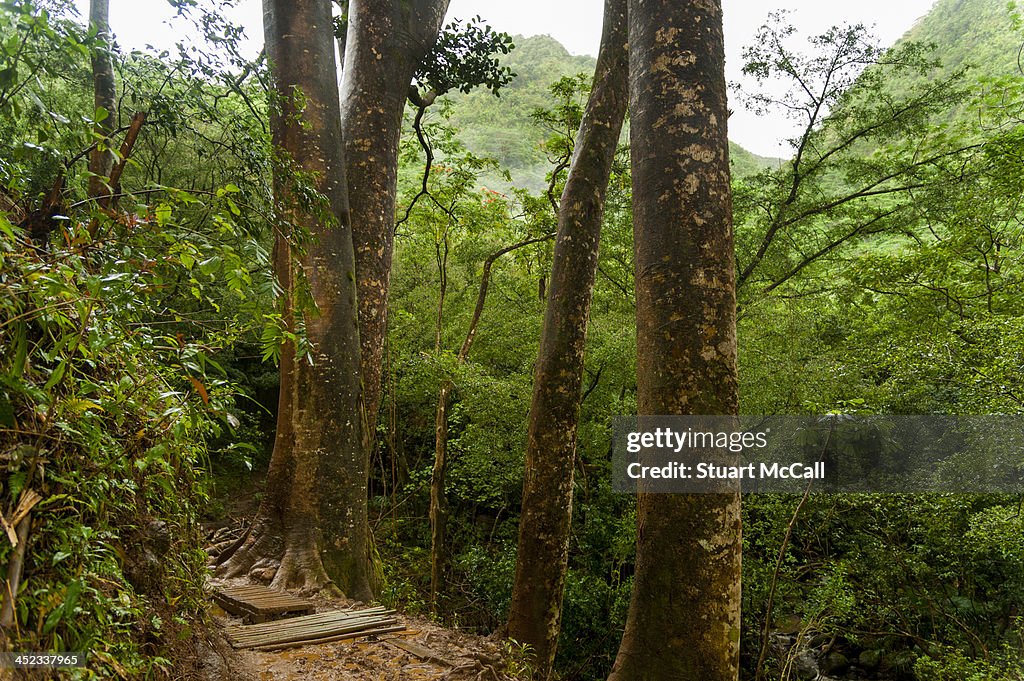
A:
20, 351
15, 483
71, 597
8, 77
7, 228
57, 375
163, 214
210, 266
53, 619
79, 405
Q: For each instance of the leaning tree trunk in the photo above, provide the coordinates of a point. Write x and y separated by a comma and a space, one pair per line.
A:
386, 40
101, 160
312, 526
542, 560
683, 621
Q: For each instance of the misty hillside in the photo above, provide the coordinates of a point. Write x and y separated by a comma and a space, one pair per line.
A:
502, 127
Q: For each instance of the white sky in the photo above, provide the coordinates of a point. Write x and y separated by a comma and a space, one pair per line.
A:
577, 25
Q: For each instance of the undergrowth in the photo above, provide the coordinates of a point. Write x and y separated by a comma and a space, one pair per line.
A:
106, 408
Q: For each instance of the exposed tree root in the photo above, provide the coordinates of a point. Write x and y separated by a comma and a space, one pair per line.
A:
263, 555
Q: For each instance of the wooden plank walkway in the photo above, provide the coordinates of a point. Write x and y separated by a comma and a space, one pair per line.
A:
259, 603
324, 627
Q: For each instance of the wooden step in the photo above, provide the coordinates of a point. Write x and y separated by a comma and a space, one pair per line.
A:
258, 603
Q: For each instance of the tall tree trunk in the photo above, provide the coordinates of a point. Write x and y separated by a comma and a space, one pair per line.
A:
438, 502
312, 526
386, 40
684, 616
101, 160
542, 560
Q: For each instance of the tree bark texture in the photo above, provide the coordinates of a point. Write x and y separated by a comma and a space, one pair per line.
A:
312, 526
386, 39
542, 560
683, 622
101, 160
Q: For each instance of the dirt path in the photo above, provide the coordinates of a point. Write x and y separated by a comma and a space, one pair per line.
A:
437, 654
454, 655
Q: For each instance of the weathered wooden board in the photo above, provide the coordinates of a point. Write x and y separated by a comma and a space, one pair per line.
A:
297, 628
335, 625
259, 603
333, 639
307, 620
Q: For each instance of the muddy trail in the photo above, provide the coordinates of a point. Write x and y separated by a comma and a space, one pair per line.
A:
424, 651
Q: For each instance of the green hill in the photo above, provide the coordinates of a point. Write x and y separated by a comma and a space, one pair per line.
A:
747, 162
501, 127
978, 35
975, 33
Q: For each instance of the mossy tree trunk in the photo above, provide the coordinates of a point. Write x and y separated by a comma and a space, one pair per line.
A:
683, 621
312, 530
542, 561
385, 42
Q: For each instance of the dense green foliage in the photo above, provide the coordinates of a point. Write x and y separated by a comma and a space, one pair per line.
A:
893, 285
120, 330
107, 412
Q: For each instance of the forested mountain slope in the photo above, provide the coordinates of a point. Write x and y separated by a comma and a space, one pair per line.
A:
979, 34
503, 128
981, 38
975, 33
